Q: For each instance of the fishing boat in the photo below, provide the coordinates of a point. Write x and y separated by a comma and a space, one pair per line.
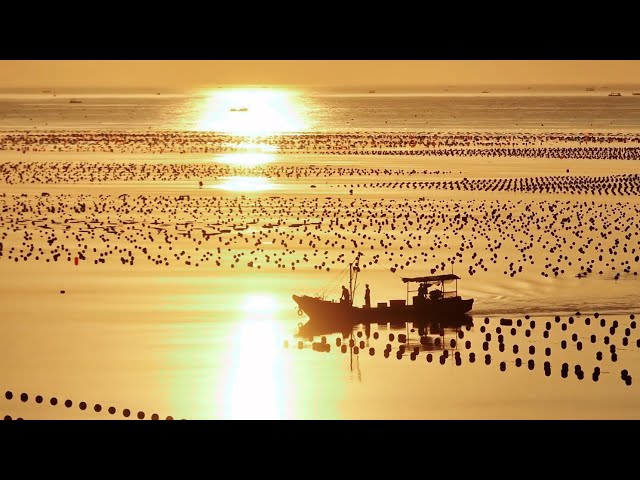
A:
615, 94
73, 100
441, 304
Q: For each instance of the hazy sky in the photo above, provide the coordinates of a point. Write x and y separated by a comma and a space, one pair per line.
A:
193, 74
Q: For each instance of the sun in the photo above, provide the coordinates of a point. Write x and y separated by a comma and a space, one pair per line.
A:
252, 112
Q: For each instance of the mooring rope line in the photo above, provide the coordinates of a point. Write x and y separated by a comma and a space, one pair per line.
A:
97, 408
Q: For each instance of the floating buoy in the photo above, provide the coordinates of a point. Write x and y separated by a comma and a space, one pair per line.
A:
76, 261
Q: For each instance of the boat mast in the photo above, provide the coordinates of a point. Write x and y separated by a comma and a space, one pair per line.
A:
352, 280
350, 285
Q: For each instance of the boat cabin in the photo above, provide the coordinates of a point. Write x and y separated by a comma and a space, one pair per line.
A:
446, 286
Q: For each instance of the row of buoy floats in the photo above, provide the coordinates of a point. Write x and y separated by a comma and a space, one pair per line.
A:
97, 408
579, 238
414, 351
182, 142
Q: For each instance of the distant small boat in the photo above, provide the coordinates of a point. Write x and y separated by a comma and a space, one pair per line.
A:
615, 94
591, 89
372, 91
635, 93
46, 91
485, 91
243, 109
73, 100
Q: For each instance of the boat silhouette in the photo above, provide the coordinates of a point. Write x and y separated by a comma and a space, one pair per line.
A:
436, 306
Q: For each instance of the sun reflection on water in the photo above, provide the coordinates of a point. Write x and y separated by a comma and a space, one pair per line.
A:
258, 374
245, 184
245, 159
252, 112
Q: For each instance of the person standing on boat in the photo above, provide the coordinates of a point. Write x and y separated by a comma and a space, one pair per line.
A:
367, 297
345, 296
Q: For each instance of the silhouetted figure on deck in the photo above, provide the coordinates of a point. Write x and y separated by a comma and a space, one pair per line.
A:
346, 297
422, 293
367, 297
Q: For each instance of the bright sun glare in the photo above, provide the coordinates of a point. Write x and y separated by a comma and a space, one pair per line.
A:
260, 303
246, 184
245, 159
259, 377
252, 112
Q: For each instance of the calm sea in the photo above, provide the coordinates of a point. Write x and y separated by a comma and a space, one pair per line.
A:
325, 112
172, 336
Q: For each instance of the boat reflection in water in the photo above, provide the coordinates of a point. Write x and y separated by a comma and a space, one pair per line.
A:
436, 326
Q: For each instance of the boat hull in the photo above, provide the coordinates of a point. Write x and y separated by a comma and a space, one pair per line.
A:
327, 317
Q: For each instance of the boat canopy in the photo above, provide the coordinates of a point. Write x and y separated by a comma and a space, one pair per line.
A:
432, 278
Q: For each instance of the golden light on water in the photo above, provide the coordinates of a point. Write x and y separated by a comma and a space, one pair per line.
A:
246, 184
258, 379
252, 112
246, 159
